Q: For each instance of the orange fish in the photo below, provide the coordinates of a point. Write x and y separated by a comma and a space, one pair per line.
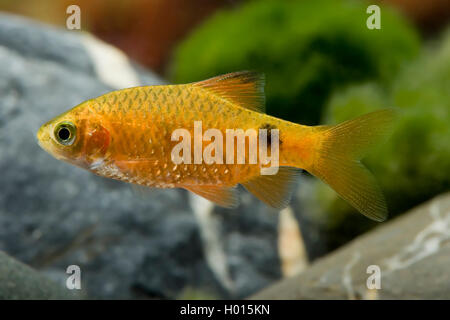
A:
129, 135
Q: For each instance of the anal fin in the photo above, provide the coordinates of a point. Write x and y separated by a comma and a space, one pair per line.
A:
274, 190
224, 196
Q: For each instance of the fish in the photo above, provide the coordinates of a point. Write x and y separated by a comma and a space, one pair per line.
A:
128, 135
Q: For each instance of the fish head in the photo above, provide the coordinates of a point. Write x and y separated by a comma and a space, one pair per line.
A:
76, 137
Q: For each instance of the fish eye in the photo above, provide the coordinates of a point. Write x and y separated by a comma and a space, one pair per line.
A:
65, 133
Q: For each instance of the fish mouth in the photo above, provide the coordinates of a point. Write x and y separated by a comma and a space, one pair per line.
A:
42, 139
40, 144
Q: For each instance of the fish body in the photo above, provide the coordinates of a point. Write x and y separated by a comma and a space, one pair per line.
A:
129, 135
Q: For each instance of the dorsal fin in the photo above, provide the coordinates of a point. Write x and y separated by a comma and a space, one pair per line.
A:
223, 196
245, 88
274, 190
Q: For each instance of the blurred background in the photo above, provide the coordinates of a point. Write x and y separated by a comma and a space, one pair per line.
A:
322, 65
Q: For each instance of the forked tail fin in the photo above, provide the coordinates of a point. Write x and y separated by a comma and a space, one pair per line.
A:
337, 161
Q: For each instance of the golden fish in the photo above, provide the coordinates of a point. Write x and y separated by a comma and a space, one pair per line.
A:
128, 135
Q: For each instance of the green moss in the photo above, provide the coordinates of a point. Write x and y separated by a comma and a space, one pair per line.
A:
414, 165
306, 48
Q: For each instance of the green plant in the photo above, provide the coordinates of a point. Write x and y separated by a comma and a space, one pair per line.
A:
306, 49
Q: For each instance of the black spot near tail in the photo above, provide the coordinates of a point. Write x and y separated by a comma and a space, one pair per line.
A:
269, 127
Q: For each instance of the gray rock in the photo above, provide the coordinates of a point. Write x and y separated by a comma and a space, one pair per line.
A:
27, 39
249, 236
412, 253
53, 214
20, 282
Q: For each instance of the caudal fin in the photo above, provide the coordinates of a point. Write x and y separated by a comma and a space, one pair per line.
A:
337, 161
